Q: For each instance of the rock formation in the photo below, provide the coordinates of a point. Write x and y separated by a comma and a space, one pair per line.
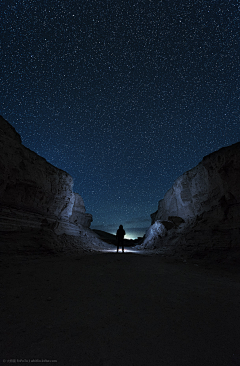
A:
201, 211
79, 215
35, 195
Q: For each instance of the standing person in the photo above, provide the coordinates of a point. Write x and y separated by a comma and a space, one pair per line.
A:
120, 237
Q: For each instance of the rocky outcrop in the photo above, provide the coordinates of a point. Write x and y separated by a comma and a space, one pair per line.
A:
203, 205
34, 193
211, 185
79, 215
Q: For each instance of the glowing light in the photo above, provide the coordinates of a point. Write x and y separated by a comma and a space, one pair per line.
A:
120, 251
130, 236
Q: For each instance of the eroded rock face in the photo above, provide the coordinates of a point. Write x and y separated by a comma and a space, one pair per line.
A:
79, 215
213, 184
156, 232
207, 199
30, 186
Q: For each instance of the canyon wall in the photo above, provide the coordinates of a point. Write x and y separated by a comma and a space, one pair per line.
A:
202, 209
34, 193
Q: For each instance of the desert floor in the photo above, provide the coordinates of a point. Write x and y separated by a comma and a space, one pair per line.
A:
109, 309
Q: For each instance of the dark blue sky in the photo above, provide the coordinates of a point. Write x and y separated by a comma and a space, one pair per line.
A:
123, 95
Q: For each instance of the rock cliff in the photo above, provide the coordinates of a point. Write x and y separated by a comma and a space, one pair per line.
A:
201, 211
33, 193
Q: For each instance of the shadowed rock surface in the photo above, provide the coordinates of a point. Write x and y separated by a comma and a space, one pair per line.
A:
201, 212
36, 198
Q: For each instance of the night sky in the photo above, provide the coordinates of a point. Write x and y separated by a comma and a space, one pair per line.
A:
123, 95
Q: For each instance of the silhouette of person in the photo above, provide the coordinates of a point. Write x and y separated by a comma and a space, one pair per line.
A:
120, 237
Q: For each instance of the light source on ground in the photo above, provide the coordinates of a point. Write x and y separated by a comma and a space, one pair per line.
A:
132, 250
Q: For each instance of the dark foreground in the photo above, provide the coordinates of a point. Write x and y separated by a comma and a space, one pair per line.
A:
118, 309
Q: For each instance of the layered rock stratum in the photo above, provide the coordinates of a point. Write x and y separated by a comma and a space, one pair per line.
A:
201, 211
35, 195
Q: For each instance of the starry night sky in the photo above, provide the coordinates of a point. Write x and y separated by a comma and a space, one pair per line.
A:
123, 95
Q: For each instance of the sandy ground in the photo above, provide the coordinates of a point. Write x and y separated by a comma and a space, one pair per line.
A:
109, 309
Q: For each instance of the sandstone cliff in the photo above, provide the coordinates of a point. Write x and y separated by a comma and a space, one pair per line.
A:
33, 193
202, 209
